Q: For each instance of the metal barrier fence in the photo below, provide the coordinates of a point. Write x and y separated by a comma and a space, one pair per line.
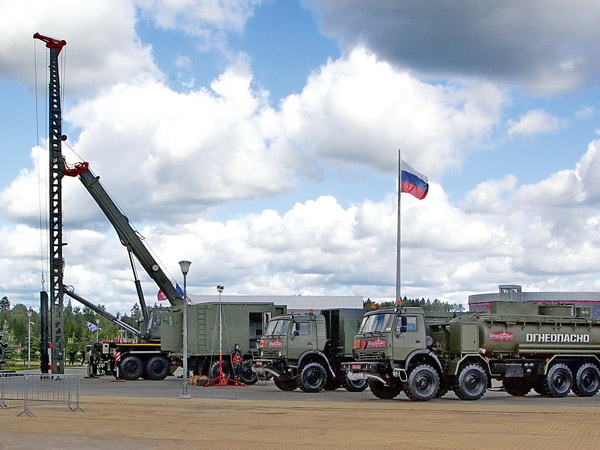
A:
24, 391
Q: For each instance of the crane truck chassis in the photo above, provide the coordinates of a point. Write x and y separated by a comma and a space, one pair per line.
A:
553, 349
243, 325
307, 350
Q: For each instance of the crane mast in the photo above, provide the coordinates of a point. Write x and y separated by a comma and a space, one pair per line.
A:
56, 164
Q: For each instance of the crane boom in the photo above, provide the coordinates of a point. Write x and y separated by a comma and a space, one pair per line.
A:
103, 313
128, 236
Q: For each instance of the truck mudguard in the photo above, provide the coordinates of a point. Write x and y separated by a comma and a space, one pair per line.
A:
422, 352
455, 364
321, 357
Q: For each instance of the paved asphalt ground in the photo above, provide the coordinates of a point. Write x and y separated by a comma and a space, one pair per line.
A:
149, 415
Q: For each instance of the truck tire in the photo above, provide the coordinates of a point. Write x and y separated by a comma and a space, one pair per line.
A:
558, 381
157, 368
423, 383
518, 387
285, 385
587, 380
247, 375
213, 371
313, 378
384, 392
355, 385
132, 367
471, 383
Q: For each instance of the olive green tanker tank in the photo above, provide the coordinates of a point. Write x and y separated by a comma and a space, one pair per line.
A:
553, 349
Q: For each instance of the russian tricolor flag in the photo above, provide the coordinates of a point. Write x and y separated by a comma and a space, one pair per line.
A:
413, 182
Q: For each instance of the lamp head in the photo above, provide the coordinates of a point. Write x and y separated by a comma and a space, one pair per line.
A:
185, 266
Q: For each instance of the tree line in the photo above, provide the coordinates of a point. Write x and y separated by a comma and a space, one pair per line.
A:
14, 329
427, 305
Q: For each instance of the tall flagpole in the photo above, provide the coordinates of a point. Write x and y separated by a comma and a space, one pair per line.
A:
399, 231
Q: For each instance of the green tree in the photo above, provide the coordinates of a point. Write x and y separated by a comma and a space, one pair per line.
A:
4, 304
8, 339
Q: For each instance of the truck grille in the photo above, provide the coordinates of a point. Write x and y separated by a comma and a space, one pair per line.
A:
371, 356
270, 354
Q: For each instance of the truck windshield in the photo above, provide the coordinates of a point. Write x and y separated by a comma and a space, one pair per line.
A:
277, 327
377, 323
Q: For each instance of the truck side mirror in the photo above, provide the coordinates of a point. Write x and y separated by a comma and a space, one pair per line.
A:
403, 324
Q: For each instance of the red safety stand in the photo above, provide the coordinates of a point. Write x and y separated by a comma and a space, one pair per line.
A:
222, 380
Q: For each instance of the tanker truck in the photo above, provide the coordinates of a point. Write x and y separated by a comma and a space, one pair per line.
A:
553, 349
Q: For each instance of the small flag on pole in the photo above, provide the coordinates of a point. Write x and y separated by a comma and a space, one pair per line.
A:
413, 182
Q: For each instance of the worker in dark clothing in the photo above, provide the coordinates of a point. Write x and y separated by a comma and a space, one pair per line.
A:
72, 354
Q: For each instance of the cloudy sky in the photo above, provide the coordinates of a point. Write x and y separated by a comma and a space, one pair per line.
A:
259, 139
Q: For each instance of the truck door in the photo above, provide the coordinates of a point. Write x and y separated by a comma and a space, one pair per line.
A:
409, 335
300, 338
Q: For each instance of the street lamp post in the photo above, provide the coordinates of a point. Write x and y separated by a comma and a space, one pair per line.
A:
29, 312
185, 267
97, 329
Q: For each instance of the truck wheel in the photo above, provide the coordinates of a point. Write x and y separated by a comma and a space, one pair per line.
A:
355, 385
213, 371
384, 392
516, 386
558, 381
157, 368
285, 385
587, 380
313, 377
246, 374
131, 368
423, 383
471, 383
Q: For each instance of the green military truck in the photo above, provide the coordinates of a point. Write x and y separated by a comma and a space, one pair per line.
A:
242, 326
154, 359
553, 349
307, 350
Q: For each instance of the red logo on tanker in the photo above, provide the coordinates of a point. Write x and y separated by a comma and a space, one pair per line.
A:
501, 336
376, 343
277, 343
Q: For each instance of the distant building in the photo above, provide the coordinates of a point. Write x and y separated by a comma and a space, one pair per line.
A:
296, 303
514, 293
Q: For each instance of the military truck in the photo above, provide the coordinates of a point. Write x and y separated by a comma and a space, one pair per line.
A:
307, 350
553, 349
242, 326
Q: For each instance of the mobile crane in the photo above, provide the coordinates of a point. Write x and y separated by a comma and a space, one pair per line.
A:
145, 355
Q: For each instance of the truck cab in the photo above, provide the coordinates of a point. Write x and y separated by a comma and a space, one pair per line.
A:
391, 343
306, 350
291, 335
